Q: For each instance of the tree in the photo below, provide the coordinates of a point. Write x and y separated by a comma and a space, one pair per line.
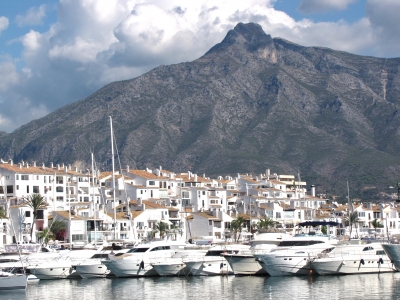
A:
351, 219
35, 201
376, 224
160, 227
46, 235
58, 228
266, 223
237, 226
3, 214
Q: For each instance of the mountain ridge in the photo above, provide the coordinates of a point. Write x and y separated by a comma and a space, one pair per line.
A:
249, 103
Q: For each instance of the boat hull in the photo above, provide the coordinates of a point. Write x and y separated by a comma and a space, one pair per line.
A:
14, 282
54, 272
351, 266
209, 266
393, 252
92, 270
245, 265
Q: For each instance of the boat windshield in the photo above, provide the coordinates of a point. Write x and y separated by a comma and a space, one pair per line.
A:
136, 250
299, 243
219, 252
100, 255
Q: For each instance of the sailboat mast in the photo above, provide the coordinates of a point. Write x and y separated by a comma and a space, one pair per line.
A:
113, 180
94, 202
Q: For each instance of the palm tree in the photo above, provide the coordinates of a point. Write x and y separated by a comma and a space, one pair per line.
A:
160, 227
376, 224
237, 226
351, 219
35, 201
266, 223
58, 229
45, 235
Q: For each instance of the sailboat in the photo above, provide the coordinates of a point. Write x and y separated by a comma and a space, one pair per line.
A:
13, 281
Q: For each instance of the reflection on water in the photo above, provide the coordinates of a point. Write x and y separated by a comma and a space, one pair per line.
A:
373, 286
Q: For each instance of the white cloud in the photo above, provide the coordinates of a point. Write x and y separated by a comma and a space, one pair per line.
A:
3, 24
34, 16
8, 75
385, 22
323, 6
95, 42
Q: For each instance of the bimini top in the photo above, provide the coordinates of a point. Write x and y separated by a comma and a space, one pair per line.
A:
317, 223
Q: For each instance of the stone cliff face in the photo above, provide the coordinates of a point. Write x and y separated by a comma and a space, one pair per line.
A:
250, 103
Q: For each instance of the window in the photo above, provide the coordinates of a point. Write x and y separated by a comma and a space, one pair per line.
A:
17, 177
278, 215
59, 189
45, 179
85, 199
59, 180
361, 214
39, 214
27, 214
151, 182
35, 189
24, 177
185, 194
209, 222
17, 187
60, 198
77, 237
27, 189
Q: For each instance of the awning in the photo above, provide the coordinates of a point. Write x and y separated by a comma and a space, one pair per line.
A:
167, 222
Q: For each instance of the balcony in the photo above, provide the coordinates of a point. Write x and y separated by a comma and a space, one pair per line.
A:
100, 228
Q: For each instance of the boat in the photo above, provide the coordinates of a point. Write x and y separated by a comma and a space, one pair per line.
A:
353, 259
213, 262
244, 263
175, 266
93, 268
60, 267
293, 255
13, 281
393, 252
137, 262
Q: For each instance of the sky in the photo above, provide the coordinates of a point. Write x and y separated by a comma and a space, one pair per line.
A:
56, 52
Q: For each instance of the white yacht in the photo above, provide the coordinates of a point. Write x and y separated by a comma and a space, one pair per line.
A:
244, 263
353, 259
93, 267
393, 252
175, 266
213, 262
293, 256
13, 281
138, 261
59, 267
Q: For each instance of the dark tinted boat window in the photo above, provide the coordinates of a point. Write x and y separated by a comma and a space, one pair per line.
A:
298, 243
138, 250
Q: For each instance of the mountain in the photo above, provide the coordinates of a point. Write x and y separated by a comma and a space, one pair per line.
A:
251, 102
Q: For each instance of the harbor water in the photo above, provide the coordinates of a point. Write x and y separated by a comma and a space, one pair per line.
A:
371, 286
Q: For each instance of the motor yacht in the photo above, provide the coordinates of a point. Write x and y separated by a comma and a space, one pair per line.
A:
213, 262
353, 259
137, 262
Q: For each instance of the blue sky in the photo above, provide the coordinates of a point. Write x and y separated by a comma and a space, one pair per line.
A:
55, 52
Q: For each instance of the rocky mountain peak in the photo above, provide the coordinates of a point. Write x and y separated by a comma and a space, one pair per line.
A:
250, 103
248, 37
